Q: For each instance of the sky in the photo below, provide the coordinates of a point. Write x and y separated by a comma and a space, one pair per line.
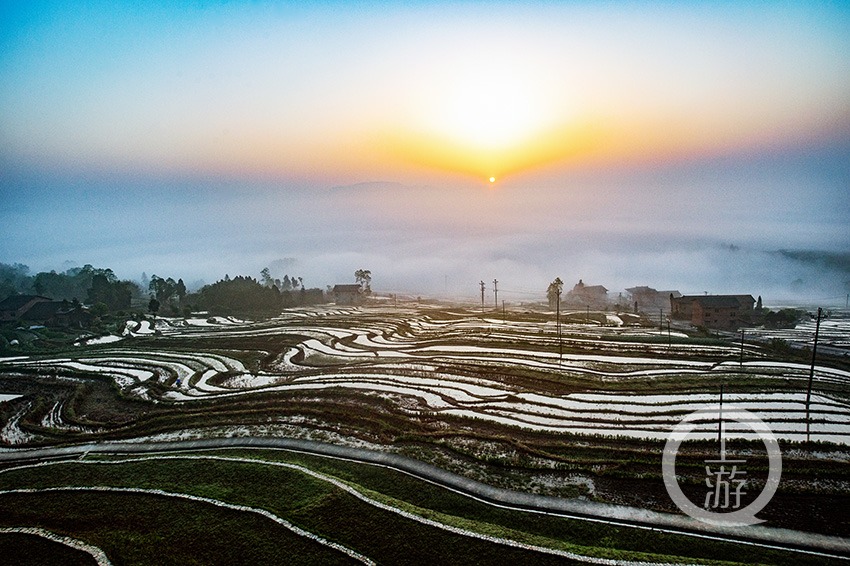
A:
684, 146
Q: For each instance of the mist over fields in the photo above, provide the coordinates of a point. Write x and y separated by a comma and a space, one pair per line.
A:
699, 148
710, 227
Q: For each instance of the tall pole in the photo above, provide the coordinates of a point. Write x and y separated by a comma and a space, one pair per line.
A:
496, 293
741, 360
558, 319
720, 439
504, 315
812, 373
661, 320
482, 295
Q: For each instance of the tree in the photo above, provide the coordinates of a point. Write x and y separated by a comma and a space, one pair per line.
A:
239, 295
364, 278
163, 289
99, 309
14, 279
266, 277
180, 290
113, 293
73, 283
554, 291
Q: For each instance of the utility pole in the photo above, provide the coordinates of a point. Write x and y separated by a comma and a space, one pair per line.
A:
504, 314
669, 338
812, 372
558, 323
482, 295
661, 320
720, 427
496, 292
741, 361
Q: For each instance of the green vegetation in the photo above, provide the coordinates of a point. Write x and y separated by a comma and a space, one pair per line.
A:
148, 526
136, 528
32, 550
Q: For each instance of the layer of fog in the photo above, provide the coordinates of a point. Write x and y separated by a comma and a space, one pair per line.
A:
713, 228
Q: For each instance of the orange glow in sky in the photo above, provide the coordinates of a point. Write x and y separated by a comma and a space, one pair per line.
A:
383, 94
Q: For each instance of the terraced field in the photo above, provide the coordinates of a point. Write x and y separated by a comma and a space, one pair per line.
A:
606, 380
515, 402
270, 506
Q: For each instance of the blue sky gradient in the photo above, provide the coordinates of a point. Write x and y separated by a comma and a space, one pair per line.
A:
635, 143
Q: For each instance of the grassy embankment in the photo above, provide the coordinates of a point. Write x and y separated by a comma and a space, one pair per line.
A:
148, 529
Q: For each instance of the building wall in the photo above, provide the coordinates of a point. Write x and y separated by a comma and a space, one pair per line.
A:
682, 308
346, 298
719, 318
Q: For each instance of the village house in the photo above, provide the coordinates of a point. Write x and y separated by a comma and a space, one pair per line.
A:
13, 308
720, 312
348, 294
41, 310
647, 299
595, 296
59, 314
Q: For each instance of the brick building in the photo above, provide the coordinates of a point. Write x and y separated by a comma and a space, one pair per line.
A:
720, 312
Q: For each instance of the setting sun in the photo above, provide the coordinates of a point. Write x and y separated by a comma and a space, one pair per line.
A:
487, 110
492, 179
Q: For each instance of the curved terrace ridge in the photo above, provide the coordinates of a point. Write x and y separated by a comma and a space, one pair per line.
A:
770, 537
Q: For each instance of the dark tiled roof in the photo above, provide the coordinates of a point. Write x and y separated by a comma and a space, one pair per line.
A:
346, 288
15, 302
641, 289
43, 311
718, 301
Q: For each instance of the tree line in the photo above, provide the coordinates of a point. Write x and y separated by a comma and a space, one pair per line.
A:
104, 292
86, 284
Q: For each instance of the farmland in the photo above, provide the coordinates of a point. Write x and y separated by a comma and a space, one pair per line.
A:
512, 401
